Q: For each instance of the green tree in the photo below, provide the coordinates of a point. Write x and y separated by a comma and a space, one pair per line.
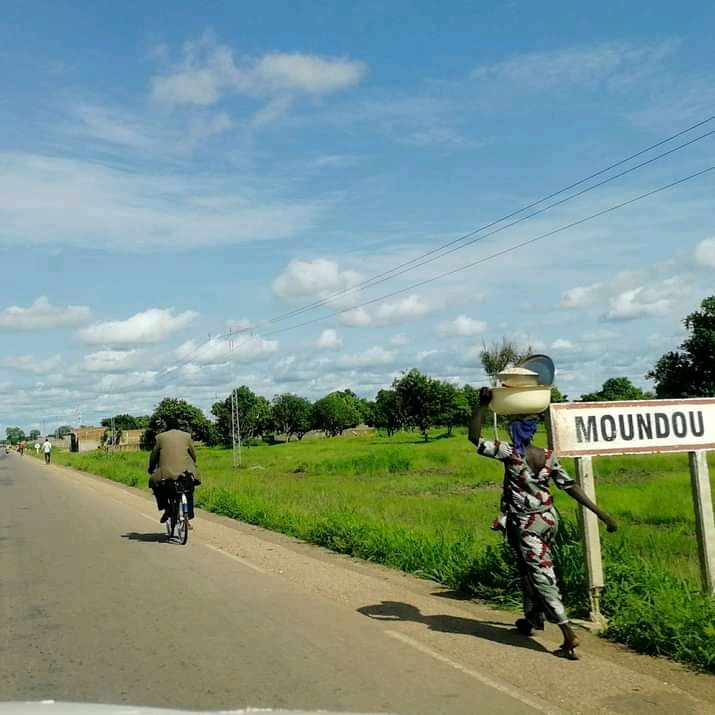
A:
387, 412
254, 416
453, 407
34, 435
173, 413
14, 435
690, 370
615, 389
557, 396
63, 431
498, 355
420, 398
126, 422
335, 413
292, 415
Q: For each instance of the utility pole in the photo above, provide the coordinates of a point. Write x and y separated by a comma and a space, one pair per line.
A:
235, 417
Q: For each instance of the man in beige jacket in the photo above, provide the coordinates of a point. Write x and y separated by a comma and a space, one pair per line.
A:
173, 455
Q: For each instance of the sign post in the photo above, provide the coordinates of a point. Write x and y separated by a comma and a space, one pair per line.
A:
586, 429
704, 523
588, 523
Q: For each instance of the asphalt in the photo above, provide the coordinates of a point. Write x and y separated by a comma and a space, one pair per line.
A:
96, 606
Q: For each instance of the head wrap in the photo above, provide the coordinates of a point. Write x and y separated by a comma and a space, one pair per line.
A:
522, 432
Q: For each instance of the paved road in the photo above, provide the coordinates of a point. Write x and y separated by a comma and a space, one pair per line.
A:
96, 607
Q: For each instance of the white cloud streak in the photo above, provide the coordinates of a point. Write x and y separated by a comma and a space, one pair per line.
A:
42, 315
151, 326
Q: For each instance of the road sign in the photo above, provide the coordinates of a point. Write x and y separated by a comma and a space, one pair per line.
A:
582, 429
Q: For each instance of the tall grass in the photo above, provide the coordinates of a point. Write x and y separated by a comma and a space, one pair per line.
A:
426, 509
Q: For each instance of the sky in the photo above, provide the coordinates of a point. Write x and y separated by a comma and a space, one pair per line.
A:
200, 195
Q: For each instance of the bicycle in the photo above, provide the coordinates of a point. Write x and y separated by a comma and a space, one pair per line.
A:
178, 507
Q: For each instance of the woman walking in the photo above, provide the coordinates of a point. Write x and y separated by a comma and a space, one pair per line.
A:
531, 518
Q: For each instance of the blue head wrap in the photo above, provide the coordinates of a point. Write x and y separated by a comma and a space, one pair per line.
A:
522, 432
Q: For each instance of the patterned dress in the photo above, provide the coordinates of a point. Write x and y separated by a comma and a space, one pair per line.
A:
531, 526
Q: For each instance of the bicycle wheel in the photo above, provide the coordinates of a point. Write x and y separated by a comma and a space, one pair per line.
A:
183, 531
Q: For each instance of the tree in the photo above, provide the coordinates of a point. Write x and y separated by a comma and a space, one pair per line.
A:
498, 355
14, 435
557, 396
690, 370
454, 408
126, 422
173, 413
63, 431
387, 412
615, 389
335, 413
254, 416
291, 414
34, 435
420, 398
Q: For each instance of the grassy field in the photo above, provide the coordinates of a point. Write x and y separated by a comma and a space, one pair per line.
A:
426, 508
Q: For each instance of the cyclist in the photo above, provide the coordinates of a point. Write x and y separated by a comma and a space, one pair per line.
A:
172, 457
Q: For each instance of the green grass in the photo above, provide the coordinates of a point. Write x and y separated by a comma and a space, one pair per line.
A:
426, 508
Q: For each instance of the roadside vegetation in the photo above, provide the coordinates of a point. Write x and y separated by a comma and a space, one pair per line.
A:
411, 493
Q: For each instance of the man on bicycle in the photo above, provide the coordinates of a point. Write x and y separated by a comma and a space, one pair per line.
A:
173, 455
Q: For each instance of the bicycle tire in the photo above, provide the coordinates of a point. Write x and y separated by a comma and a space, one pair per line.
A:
183, 522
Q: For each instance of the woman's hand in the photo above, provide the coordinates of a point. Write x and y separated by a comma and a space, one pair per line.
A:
485, 396
611, 524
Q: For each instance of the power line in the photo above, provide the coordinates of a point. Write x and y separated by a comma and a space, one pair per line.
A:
500, 253
411, 265
419, 260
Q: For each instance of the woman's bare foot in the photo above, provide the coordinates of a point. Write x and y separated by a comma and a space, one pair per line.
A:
568, 648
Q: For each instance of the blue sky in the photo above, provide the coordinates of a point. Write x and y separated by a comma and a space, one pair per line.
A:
173, 171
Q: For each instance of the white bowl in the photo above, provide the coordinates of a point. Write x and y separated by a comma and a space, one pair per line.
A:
518, 377
526, 400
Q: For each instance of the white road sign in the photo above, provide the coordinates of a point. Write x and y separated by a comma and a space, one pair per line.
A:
580, 429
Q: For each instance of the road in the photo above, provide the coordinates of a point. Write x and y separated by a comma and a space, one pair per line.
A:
97, 607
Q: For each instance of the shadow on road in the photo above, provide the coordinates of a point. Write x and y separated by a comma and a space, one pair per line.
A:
158, 537
488, 630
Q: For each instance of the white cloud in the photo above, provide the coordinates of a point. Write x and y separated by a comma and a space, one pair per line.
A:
357, 318
208, 71
369, 358
61, 200
329, 340
462, 326
581, 296
400, 340
151, 326
408, 308
311, 74
637, 303
30, 363
320, 278
411, 307
125, 382
41, 315
613, 63
112, 361
705, 253
562, 344
248, 348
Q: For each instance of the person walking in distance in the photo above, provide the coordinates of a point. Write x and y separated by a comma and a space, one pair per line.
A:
47, 449
531, 519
